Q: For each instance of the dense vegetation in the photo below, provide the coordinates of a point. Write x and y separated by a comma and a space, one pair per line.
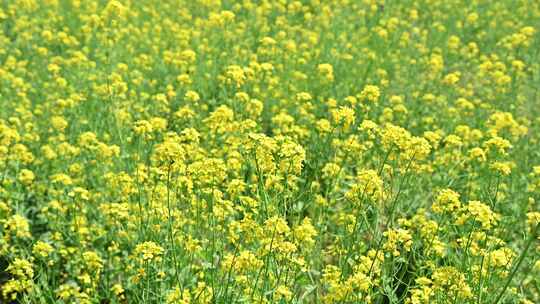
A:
272, 151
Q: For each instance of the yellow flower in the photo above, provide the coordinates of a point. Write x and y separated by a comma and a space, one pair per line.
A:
305, 232
92, 261
369, 185
448, 280
504, 168
192, 96
482, 213
244, 262
26, 177
149, 251
18, 226
282, 292
446, 201
452, 78
42, 249
344, 116
397, 237
118, 290
22, 281
370, 93
502, 145
327, 71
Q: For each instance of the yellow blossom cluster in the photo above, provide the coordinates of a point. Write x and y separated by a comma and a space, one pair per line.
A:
290, 151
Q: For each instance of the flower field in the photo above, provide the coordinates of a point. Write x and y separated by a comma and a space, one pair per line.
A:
270, 151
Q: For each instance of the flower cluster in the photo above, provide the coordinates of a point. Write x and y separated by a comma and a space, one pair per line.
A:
220, 151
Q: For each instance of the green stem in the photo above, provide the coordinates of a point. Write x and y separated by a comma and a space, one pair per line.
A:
532, 238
